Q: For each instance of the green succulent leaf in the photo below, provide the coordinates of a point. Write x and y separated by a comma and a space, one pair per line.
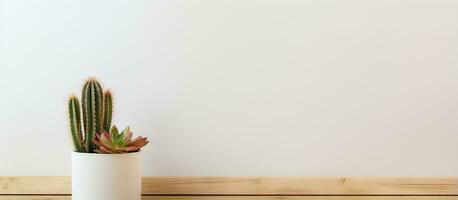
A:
114, 133
114, 129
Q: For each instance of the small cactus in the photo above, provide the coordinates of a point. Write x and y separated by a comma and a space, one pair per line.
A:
107, 111
74, 115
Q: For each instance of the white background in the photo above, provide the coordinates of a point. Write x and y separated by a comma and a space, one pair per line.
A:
239, 87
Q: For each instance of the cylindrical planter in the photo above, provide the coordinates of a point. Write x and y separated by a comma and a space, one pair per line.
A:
106, 176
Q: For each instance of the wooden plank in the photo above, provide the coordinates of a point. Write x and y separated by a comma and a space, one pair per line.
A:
35, 197
251, 198
253, 185
35, 185
301, 186
300, 198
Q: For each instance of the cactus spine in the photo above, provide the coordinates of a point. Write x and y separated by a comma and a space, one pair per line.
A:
95, 117
75, 123
107, 110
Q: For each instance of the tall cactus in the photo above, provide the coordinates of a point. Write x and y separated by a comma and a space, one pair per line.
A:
97, 108
74, 114
92, 98
107, 110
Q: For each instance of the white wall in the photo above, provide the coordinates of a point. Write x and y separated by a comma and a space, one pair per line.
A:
240, 87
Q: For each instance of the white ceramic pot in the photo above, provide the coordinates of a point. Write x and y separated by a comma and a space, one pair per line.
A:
106, 176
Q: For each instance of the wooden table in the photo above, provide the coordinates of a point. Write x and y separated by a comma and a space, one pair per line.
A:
253, 188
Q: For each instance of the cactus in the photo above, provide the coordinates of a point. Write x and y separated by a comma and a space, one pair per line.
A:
74, 114
92, 98
107, 111
92, 109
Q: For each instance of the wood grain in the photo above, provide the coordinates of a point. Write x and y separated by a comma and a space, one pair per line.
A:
270, 186
251, 198
35, 185
301, 186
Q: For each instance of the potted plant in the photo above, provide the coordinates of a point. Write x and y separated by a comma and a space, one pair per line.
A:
105, 161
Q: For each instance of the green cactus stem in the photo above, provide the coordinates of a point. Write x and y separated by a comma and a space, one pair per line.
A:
107, 110
92, 98
75, 123
98, 108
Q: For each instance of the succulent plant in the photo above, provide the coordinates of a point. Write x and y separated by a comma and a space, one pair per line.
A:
114, 142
